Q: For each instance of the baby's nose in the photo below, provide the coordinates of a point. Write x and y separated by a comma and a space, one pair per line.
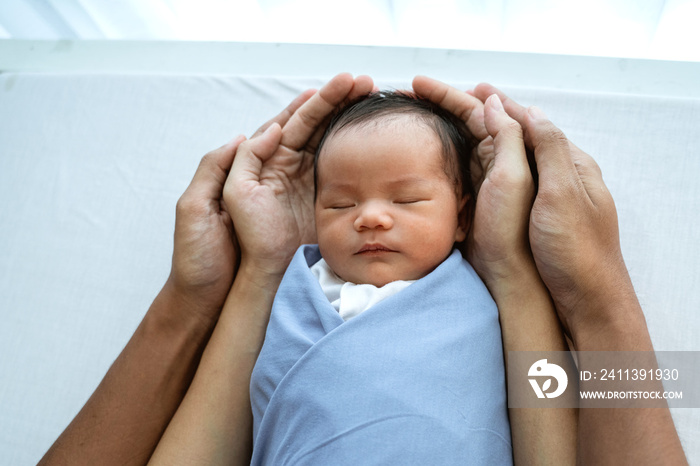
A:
372, 215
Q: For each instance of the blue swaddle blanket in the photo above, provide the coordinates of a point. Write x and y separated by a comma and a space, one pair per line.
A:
416, 379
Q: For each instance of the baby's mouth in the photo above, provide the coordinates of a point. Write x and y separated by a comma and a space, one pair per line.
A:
374, 248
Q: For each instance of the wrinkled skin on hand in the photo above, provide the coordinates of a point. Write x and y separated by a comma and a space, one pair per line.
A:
205, 249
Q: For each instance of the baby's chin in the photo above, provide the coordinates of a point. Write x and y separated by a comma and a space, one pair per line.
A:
379, 283
376, 279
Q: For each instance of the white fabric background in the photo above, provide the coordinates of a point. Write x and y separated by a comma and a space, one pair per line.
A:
91, 167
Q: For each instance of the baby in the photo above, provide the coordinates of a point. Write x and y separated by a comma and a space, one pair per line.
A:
393, 190
416, 376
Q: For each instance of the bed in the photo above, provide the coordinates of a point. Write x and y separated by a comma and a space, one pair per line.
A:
99, 139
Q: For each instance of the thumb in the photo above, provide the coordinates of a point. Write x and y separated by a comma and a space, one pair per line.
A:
253, 153
209, 179
507, 135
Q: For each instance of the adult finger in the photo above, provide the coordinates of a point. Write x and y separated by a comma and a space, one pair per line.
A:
208, 181
287, 113
507, 137
304, 122
557, 154
466, 107
555, 164
251, 155
363, 85
592, 178
484, 90
478, 165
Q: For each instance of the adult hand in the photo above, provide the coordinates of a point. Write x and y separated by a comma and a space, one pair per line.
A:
499, 251
575, 242
270, 189
573, 226
497, 244
126, 416
205, 251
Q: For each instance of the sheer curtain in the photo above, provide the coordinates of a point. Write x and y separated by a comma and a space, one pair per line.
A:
655, 29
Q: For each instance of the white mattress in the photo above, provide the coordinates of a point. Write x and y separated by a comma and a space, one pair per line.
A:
91, 165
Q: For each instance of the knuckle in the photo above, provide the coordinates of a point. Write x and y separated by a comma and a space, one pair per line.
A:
584, 161
189, 207
245, 145
308, 119
207, 160
545, 135
512, 127
262, 129
183, 205
553, 134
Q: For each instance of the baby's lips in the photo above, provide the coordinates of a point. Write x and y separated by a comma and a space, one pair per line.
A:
374, 247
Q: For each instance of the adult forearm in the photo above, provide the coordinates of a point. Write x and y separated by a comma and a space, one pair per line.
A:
125, 417
574, 238
529, 323
621, 435
214, 423
527, 315
608, 316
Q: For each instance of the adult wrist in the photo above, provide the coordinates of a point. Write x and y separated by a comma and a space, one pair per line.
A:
608, 318
508, 275
258, 274
177, 309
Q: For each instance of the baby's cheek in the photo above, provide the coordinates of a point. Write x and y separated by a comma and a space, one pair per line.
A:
327, 232
332, 242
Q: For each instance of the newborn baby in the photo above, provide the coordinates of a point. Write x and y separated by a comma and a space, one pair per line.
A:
416, 376
392, 195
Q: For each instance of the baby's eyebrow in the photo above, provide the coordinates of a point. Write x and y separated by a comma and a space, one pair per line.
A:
336, 186
408, 181
392, 184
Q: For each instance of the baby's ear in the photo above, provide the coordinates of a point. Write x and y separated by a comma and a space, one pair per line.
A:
464, 218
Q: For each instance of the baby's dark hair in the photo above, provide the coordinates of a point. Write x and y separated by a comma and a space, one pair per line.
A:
381, 107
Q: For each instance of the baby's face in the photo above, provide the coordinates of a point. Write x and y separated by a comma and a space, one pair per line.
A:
385, 208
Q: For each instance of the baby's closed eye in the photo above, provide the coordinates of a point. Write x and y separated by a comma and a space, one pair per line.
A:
410, 200
337, 203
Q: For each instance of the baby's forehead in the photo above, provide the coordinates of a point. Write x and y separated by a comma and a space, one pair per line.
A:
381, 146
389, 126
386, 122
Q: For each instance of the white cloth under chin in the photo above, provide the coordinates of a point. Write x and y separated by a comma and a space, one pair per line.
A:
351, 299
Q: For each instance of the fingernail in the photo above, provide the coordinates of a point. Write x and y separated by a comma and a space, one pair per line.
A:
496, 103
269, 129
537, 113
237, 140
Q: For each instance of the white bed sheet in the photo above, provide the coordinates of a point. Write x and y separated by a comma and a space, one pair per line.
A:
91, 166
